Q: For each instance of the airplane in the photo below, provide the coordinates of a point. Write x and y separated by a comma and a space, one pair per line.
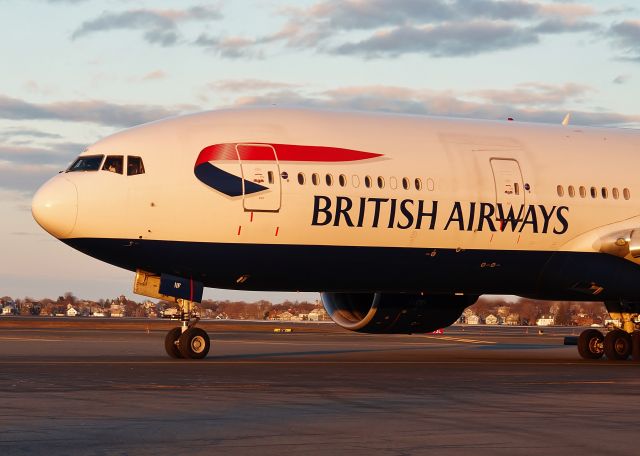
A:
400, 221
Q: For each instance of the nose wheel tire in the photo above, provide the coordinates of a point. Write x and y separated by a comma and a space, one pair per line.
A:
591, 344
617, 344
170, 343
194, 343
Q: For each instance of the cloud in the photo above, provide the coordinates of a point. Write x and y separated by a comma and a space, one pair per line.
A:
249, 85
626, 37
162, 37
370, 29
99, 112
27, 132
620, 10
451, 39
36, 87
535, 94
435, 27
527, 102
230, 47
159, 26
339, 15
560, 25
51, 154
154, 75
23, 168
621, 79
24, 178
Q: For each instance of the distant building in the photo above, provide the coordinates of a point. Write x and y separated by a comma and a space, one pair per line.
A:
473, 319
170, 312
491, 320
117, 310
9, 309
285, 316
612, 323
318, 314
512, 319
72, 311
503, 311
545, 321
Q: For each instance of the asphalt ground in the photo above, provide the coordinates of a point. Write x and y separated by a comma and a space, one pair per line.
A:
87, 387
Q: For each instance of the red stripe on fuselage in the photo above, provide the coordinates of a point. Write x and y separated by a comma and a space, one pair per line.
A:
284, 152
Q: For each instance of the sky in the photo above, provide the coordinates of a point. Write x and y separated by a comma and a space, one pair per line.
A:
74, 71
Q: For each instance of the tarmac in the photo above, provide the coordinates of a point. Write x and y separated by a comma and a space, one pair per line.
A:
105, 387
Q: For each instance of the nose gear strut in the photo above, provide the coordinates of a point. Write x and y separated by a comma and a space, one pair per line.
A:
187, 341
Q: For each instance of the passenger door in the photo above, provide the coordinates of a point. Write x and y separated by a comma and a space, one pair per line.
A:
261, 187
510, 192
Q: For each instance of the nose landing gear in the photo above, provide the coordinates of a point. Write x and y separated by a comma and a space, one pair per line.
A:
187, 341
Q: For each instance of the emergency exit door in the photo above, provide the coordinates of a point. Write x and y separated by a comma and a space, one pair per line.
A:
261, 187
509, 184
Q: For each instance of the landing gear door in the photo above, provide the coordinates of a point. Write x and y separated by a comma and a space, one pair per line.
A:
509, 186
260, 177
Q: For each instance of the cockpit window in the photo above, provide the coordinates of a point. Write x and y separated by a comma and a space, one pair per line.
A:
113, 163
134, 166
86, 163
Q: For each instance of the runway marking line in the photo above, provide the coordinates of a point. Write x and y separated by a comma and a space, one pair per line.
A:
574, 382
213, 362
35, 339
458, 339
303, 344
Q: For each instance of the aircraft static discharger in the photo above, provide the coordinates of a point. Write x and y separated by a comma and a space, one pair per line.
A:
400, 221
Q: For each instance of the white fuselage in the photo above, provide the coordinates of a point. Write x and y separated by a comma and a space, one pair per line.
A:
351, 183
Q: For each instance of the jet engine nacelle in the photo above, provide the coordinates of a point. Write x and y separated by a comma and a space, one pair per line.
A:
399, 313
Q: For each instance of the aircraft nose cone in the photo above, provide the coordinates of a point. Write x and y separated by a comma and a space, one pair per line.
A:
55, 206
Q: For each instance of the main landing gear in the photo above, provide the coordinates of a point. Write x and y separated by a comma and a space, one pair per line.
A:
617, 344
187, 341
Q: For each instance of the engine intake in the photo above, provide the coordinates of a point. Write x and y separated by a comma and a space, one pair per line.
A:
401, 313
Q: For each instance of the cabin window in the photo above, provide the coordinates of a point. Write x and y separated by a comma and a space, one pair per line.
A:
583, 192
405, 183
342, 180
626, 193
393, 183
113, 164
594, 192
605, 193
367, 181
572, 191
301, 179
560, 190
418, 184
329, 179
380, 182
615, 193
134, 166
270, 177
86, 163
355, 181
431, 185
315, 178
